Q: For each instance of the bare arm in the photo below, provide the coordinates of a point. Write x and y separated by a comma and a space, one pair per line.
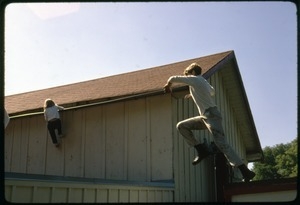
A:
167, 87
60, 107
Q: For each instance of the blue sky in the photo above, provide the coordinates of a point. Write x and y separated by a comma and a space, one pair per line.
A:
48, 45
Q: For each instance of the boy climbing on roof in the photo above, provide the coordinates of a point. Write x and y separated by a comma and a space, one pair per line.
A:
210, 118
53, 119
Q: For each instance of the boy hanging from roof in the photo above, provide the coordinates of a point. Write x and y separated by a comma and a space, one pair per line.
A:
210, 118
53, 119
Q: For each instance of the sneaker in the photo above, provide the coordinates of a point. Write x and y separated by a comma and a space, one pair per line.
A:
247, 174
250, 175
202, 153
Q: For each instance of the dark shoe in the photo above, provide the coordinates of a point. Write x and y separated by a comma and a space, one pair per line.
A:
202, 151
247, 174
56, 145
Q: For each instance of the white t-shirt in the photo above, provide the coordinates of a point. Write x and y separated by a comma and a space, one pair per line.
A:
52, 112
201, 91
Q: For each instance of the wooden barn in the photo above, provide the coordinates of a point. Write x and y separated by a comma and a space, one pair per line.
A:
121, 142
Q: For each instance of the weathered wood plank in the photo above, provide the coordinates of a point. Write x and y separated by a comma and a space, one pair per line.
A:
16, 154
137, 140
94, 143
37, 145
73, 146
161, 138
114, 131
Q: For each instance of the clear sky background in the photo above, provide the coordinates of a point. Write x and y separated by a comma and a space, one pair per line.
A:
48, 45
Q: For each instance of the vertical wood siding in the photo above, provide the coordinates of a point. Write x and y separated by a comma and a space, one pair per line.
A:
133, 140
130, 140
32, 191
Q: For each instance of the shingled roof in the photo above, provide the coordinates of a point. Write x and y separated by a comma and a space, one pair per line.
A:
102, 89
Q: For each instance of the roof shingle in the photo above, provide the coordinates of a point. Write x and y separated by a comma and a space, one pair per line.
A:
126, 84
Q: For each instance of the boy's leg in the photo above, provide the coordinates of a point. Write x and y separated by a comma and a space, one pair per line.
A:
51, 130
185, 128
214, 125
58, 126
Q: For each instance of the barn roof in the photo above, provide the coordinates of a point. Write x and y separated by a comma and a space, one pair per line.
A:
146, 82
102, 89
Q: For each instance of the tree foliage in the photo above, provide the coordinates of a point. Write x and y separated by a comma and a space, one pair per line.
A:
280, 161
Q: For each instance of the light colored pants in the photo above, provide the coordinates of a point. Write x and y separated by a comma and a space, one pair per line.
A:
211, 120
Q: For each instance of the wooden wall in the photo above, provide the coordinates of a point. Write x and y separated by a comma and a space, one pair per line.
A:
133, 140
32, 191
130, 140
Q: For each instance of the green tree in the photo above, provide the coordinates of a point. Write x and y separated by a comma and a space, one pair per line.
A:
280, 161
287, 163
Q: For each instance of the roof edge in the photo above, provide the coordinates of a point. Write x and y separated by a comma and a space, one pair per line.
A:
83, 104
